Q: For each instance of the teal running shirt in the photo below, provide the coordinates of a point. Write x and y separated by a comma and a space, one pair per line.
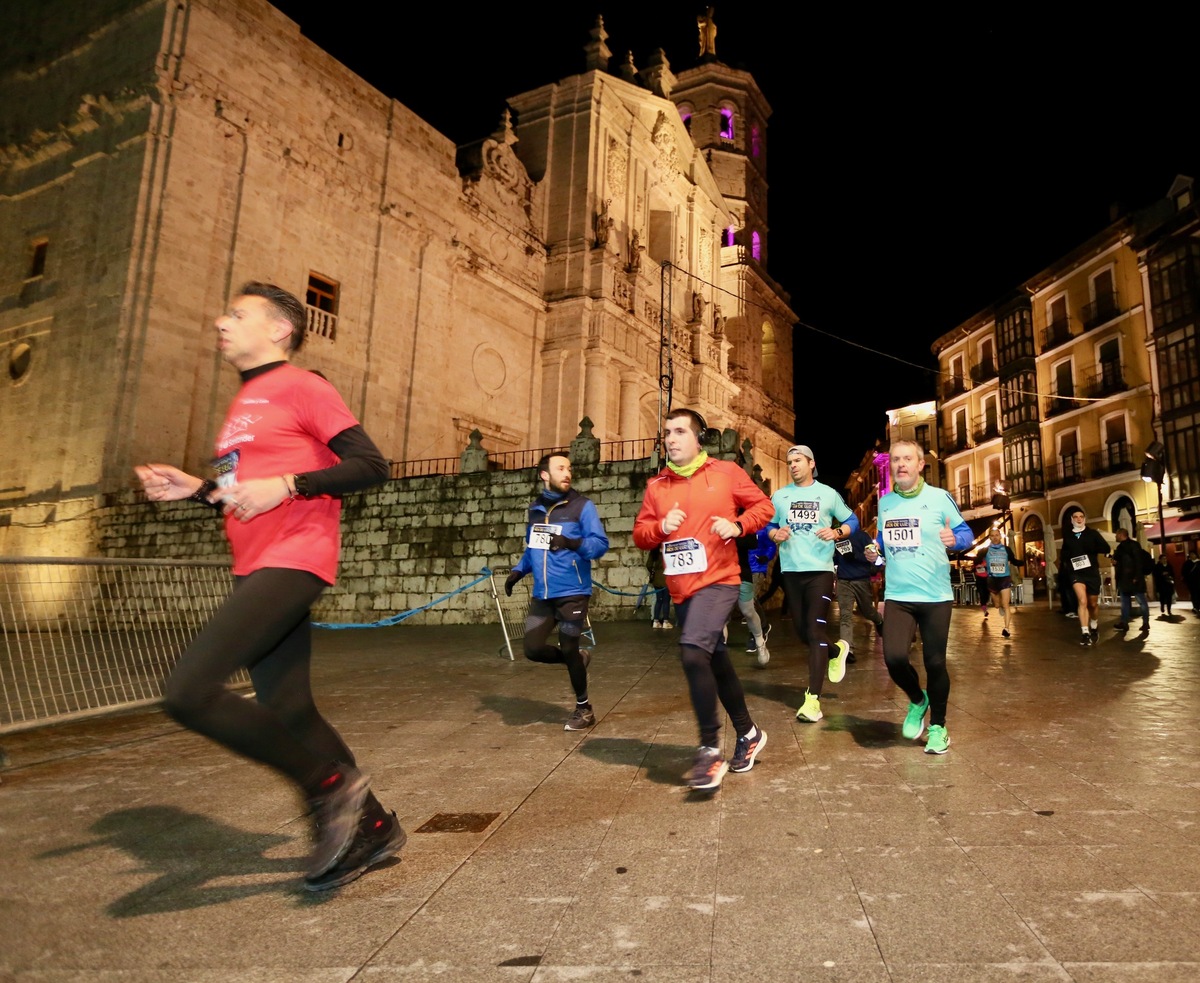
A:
918, 566
804, 510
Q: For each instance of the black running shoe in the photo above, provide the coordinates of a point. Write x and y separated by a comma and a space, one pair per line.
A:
336, 815
375, 842
1085, 640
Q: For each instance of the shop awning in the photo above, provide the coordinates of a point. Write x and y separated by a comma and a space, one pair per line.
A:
1176, 528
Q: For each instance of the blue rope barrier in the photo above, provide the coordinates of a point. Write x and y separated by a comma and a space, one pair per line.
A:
395, 619
623, 593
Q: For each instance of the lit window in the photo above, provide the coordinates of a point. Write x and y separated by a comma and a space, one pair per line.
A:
730, 236
37, 260
321, 301
726, 123
756, 246
755, 141
686, 116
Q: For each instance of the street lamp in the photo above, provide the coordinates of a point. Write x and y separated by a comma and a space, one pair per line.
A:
1154, 468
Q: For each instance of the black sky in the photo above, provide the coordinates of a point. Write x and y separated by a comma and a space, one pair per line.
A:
921, 164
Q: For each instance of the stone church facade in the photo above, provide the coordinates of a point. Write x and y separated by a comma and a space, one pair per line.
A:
611, 231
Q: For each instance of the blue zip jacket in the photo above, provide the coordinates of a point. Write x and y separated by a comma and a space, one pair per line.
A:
565, 572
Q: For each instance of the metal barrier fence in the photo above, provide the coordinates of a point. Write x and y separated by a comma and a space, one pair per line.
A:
85, 636
610, 450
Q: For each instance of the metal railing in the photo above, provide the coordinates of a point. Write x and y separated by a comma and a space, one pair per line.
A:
1056, 333
983, 372
1068, 471
1104, 308
84, 636
610, 450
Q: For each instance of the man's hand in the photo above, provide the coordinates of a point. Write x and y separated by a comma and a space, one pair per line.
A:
560, 542
825, 535
947, 534
725, 528
780, 535
511, 582
674, 519
163, 483
248, 499
871, 552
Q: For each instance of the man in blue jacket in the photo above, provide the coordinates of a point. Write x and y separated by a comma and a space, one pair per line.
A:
563, 536
854, 574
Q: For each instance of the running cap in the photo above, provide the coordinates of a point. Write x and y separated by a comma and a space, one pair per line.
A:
806, 451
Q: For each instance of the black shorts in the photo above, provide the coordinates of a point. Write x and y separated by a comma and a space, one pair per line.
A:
571, 608
997, 584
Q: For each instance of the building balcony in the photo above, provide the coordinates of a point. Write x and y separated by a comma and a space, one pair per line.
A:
1056, 334
1068, 471
1108, 381
983, 372
1062, 400
1113, 459
952, 443
974, 496
954, 386
321, 322
987, 431
1101, 310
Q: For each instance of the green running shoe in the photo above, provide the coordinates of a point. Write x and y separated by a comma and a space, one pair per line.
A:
837, 665
938, 741
811, 709
914, 720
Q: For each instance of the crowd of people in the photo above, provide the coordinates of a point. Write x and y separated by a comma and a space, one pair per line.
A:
290, 449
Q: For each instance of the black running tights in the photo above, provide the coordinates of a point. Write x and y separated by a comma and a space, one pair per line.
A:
808, 597
901, 619
263, 626
537, 632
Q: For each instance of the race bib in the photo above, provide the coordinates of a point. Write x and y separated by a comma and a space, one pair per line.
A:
1080, 562
225, 469
998, 569
902, 533
540, 533
803, 513
684, 556
844, 546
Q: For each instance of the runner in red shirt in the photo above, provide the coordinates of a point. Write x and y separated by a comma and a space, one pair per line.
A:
693, 511
287, 452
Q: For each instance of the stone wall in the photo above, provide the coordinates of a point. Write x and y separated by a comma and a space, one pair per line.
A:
409, 541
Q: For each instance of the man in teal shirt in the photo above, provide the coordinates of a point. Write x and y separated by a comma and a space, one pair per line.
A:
803, 527
918, 523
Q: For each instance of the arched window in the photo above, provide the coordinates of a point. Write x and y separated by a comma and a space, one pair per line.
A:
685, 114
730, 236
756, 246
755, 141
726, 122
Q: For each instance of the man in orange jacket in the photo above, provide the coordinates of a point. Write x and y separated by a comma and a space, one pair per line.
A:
694, 510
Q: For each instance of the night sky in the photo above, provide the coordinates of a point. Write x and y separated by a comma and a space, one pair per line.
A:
920, 165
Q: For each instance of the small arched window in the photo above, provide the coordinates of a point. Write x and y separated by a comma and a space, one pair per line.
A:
756, 246
726, 123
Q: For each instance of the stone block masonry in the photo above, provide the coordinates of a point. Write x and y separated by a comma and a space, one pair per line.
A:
411, 540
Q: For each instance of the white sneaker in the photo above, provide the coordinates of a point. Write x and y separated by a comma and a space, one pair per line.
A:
667, 624
658, 624
764, 654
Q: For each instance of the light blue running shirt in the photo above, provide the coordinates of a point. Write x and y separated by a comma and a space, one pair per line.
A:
918, 566
997, 561
804, 510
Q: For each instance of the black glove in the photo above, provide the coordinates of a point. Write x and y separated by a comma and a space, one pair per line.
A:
511, 582
559, 542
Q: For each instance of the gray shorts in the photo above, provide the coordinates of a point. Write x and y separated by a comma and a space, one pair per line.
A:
702, 616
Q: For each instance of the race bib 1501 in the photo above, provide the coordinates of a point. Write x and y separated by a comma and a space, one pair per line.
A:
902, 533
684, 556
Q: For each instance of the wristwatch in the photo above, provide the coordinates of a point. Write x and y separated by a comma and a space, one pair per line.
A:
301, 483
